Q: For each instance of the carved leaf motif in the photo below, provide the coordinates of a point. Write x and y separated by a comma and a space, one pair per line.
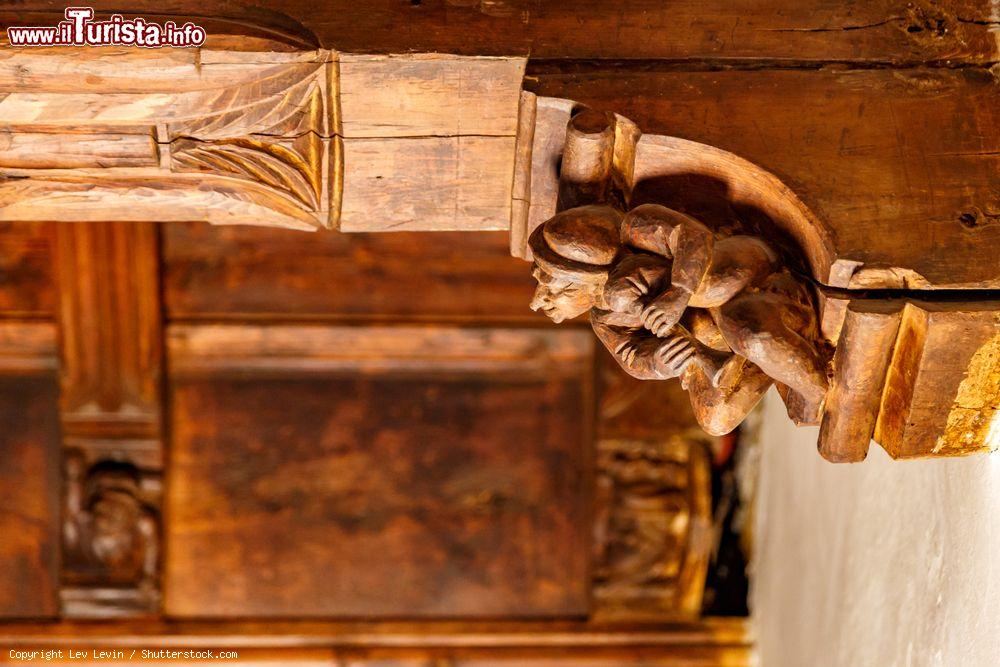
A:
296, 110
265, 162
277, 142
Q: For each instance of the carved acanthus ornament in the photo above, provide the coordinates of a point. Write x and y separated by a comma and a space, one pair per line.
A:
653, 522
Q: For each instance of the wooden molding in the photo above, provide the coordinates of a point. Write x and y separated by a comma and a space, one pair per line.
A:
710, 641
196, 349
27, 347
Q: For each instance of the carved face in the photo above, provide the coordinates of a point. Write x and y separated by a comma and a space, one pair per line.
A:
114, 519
561, 298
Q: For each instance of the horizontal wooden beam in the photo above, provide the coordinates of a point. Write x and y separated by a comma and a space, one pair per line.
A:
306, 140
809, 31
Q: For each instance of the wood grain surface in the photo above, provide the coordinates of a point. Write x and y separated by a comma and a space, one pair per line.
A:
250, 273
26, 285
29, 508
900, 164
879, 31
942, 391
450, 486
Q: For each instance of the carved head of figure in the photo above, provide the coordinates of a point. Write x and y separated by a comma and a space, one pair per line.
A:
573, 253
115, 513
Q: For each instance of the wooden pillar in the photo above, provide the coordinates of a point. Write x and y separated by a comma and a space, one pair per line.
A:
110, 409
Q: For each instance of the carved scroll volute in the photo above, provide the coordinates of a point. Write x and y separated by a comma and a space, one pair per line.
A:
587, 161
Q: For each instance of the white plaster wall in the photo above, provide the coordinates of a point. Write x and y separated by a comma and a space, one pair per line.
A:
878, 563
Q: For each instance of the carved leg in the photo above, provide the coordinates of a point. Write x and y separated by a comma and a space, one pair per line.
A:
720, 409
767, 329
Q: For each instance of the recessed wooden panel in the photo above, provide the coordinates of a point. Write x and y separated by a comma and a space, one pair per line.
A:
224, 272
901, 164
29, 497
26, 286
435, 490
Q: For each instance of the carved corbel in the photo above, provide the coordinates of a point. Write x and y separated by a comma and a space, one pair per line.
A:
111, 530
695, 264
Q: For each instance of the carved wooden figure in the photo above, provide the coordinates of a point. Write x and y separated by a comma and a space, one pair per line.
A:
668, 301
110, 537
732, 304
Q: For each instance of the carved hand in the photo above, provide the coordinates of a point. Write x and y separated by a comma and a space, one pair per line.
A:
636, 353
664, 312
673, 355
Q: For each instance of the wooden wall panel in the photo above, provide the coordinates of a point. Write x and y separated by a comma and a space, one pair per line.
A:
872, 152
26, 285
224, 273
29, 496
448, 480
879, 31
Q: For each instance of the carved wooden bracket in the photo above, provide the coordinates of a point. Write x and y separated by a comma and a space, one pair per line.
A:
245, 131
111, 528
732, 304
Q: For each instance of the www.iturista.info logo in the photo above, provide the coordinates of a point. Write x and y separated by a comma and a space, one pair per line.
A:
80, 29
